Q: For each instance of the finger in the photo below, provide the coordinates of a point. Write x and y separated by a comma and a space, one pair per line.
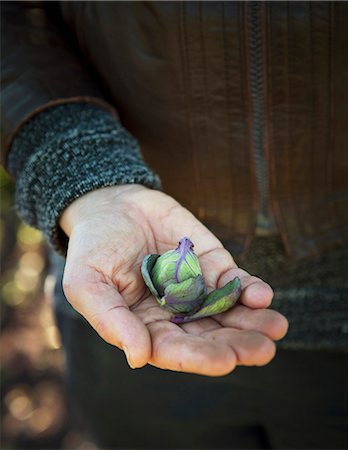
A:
255, 292
251, 348
173, 349
214, 263
219, 268
266, 321
105, 309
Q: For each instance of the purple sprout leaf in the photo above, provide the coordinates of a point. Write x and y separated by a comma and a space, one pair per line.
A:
187, 265
185, 297
163, 271
146, 270
216, 302
175, 266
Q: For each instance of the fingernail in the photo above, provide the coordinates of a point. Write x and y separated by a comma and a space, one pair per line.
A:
128, 357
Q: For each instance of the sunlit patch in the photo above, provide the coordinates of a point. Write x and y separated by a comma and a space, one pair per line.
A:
19, 404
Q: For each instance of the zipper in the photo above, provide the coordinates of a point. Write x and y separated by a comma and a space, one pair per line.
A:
265, 223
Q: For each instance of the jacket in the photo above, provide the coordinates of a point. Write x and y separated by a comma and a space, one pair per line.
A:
240, 107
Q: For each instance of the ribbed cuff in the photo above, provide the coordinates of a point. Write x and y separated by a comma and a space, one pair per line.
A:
65, 152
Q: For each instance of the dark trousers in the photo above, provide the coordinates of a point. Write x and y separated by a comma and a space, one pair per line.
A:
297, 401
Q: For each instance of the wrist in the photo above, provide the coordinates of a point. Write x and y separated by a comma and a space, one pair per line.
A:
90, 205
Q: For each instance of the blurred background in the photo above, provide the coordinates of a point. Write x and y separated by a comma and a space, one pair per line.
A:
34, 408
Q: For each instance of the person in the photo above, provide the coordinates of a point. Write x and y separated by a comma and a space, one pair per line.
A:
238, 109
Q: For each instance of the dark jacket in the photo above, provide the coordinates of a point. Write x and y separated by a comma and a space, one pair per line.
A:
240, 107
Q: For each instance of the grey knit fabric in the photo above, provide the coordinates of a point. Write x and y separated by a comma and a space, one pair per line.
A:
311, 292
65, 152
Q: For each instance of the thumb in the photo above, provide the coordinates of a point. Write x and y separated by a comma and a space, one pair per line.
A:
107, 312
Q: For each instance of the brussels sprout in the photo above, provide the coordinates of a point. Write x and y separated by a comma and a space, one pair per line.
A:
176, 281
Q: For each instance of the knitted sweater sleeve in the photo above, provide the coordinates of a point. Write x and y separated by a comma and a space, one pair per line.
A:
66, 151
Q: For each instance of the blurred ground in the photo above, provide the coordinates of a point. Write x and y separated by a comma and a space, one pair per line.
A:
34, 409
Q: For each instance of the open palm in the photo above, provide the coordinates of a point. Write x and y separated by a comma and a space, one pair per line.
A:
111, 230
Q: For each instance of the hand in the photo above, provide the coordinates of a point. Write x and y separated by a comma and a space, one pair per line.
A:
111, 230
